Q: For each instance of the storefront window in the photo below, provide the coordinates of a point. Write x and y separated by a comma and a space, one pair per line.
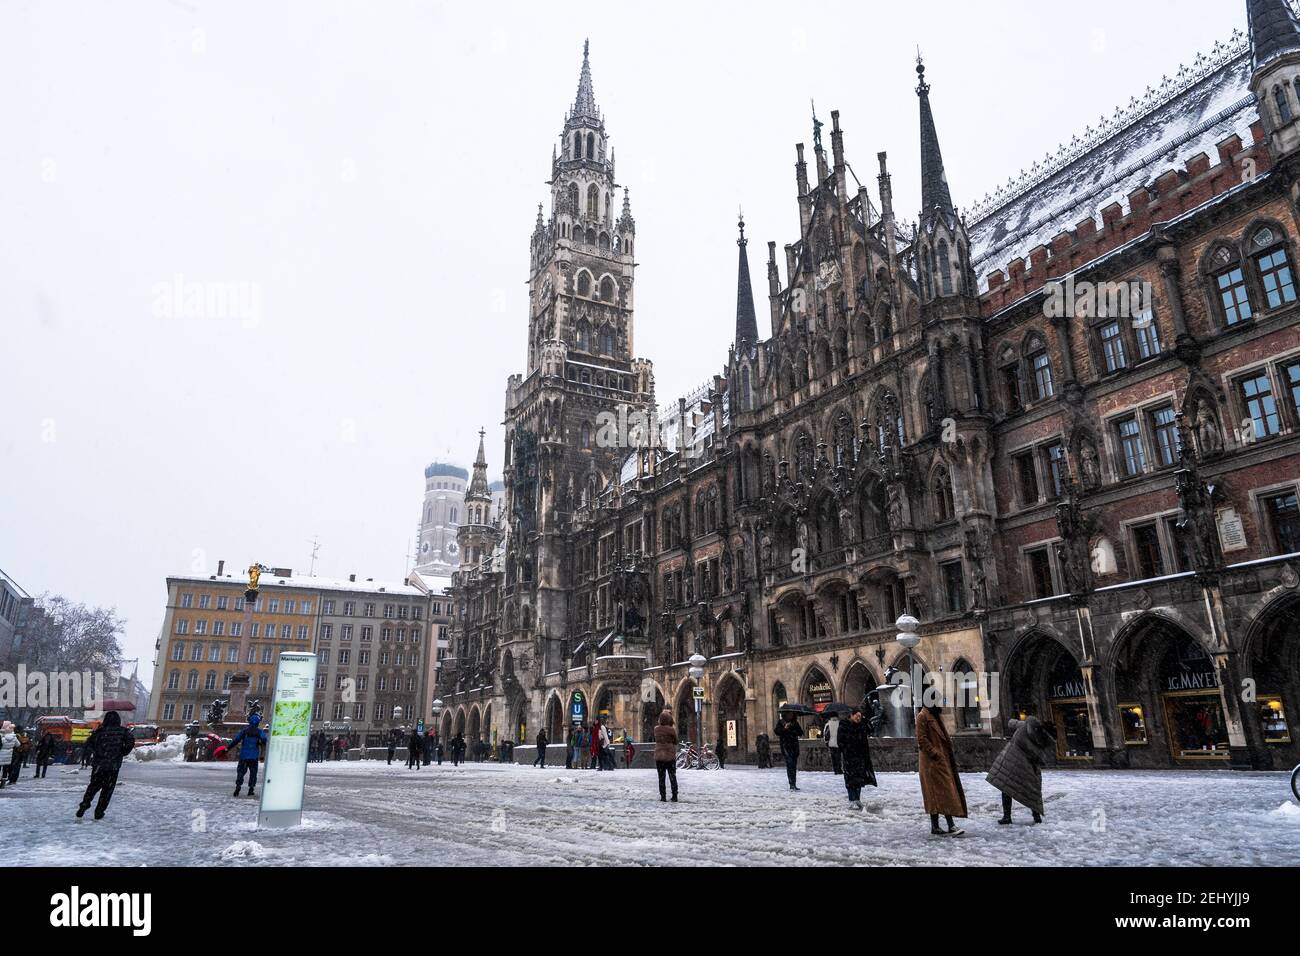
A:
1193, 708
1073, 732
1134, 723
1272, 720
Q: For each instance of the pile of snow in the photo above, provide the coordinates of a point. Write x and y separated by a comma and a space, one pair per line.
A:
244, 850
173, 748
1288, 811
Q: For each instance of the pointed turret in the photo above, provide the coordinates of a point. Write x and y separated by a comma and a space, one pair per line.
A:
478, 484
746, 319
1275, 52
1274, 31
935, 198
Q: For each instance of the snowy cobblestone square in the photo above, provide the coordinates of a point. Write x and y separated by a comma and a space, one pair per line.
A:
367, 813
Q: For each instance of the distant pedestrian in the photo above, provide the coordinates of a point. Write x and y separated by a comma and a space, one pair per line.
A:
853, 738
940, 783
413, 748
594, 747
570, 745
44, 753
763, 749
666, 754
110, 742
1017, 770
392, 746
721, 750
8, 750
540, 761
788, 732
629, 750
830, 734
249, 741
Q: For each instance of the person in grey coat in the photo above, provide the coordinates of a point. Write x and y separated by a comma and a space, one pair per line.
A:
1017, 770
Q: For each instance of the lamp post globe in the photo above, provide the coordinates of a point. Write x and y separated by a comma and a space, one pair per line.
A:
908, 631
697, 663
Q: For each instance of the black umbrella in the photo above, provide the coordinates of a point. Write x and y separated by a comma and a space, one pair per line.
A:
842, 710
798, 710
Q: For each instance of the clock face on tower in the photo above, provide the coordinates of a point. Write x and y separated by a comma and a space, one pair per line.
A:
452, 548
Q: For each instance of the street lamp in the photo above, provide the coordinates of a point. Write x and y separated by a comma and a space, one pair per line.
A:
697, 663
908, 636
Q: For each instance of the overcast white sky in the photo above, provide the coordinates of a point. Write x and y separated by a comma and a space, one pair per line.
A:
371, 173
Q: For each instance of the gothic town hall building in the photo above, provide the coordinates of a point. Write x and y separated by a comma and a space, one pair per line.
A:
1060, 428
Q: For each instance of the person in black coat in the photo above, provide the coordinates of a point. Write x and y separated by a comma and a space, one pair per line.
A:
541, 750
853, 737
763, 747
788, 732
109, 744
392, 746
413, 748
44, 754
721, 751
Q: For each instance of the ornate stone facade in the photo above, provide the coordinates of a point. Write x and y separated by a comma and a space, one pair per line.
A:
1097, 504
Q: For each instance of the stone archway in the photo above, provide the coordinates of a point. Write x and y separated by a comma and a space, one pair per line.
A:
445, 731
1042, 678
1167, 690
684, 712
474, 728
460, 720
858, 682
650, 711
731, 725
1271, 658
554, 720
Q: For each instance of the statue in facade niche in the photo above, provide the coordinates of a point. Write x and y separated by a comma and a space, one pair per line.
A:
894, 508
1089, 466
1208, 437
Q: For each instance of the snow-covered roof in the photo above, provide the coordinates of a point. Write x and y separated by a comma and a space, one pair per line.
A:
307, 582
1203, 105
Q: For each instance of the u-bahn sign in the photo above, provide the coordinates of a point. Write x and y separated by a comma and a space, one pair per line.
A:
578, 707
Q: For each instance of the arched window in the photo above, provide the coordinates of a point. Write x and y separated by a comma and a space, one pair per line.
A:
591, 146
583, 336
1038, 368
945, 275
573, 199
941, 496
607, 292
967, 702
192, 682
210, 681
1228, 281
746, 398
584, 283
586, 435
925, 272
593, 202
606, 340
577, 146
1273, 265
1283, 105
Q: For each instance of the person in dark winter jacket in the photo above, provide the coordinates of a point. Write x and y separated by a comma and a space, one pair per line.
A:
458, 749
853, 737
763, 747
935, 762
413, 747
110, 743
1017, 770
666, 754
392, 747
44, 754
249, 741
540, 760
788, 732
721, 750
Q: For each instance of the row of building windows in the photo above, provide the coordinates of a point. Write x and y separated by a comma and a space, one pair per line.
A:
268, 605
354, 711
362, 682
210, 680
215, 652
344, 658
367, 633
256, 629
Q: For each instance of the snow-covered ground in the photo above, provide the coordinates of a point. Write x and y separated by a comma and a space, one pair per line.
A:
166, 812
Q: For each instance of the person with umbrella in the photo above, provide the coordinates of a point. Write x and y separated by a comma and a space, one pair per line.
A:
788, 732
855, 751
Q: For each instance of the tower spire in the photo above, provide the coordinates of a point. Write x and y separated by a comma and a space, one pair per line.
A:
478, 485
935, 198
584, 104
746, 320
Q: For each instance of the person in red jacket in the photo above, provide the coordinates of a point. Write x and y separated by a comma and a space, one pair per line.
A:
595, 746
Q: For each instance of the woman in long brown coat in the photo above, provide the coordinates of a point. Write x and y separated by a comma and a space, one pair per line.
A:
666, 753
940, 784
